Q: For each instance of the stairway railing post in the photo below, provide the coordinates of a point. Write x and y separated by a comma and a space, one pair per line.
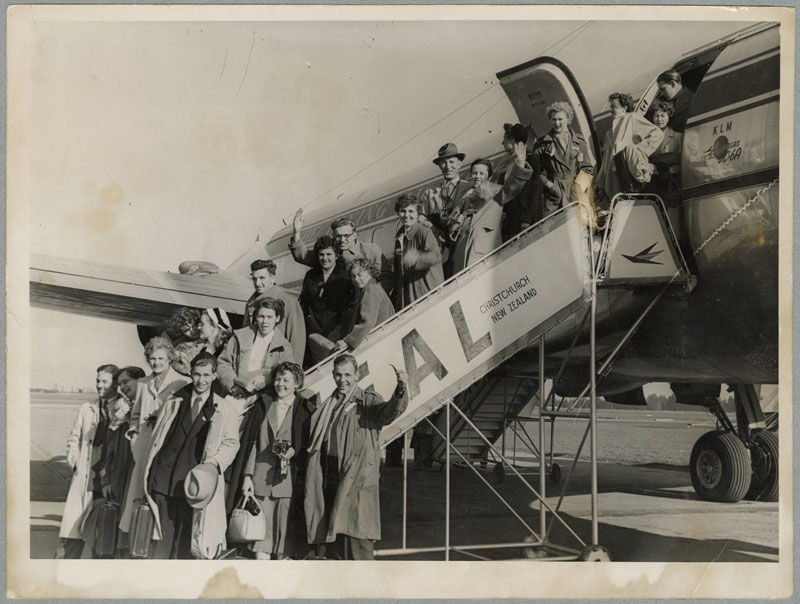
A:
542, 481
593, 396
405, 485
447, 489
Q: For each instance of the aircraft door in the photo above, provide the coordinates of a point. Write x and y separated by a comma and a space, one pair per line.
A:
383, 237
532, 86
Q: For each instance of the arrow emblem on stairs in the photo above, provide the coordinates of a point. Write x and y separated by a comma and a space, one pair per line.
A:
645, 256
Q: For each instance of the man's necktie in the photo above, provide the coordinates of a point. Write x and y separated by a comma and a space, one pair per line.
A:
196, 407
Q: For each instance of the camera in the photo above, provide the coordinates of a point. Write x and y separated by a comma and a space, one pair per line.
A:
280, 447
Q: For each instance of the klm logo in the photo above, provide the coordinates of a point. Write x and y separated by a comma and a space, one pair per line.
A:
720, 128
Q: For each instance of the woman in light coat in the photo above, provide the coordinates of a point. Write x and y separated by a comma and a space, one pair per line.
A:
152, 392
559, 157
629, 143
478, 231
666, 182
246, 363
417, 257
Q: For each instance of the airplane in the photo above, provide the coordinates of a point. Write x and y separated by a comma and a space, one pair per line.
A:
724, 330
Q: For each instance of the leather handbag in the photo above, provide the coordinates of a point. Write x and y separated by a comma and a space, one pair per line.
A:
141, 534
247, 523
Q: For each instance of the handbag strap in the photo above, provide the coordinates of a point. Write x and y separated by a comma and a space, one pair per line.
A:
241, 505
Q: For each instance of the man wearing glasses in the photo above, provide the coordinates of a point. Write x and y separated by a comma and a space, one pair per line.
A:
348, 245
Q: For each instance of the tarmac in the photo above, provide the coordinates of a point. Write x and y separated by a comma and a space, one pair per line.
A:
646, 512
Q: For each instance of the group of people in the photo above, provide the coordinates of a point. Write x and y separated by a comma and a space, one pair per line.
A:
643, 153
218, 423
173, 457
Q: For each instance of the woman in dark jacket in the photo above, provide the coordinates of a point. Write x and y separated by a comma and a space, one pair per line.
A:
326, 298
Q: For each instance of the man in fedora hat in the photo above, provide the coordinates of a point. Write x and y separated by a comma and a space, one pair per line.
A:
441, 203
195, 426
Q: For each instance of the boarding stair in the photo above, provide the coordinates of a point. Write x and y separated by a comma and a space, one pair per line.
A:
453, 338
450, 340
495, 401
454, 344
489, 403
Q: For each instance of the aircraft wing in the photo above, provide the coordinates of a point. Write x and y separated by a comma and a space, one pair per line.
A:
132, 295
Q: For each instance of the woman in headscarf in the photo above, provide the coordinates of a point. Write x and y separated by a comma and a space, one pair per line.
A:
215, 330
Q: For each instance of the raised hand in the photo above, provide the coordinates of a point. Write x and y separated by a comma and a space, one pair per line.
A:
297, 222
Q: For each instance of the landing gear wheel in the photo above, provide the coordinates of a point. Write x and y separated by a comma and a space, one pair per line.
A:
764, 460
533, 553
720, 467
595, 553
555, 473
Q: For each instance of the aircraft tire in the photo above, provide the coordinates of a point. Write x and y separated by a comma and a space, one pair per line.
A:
595, 553
764, 461
720, 467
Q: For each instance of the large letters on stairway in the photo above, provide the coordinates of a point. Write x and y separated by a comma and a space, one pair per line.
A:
471, 324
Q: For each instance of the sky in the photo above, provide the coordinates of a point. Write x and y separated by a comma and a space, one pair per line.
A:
153, 142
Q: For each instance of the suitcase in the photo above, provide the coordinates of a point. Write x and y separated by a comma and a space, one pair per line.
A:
141, 534
106, 529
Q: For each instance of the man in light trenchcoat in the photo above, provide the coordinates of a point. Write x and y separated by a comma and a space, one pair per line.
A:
342, 503
84, 448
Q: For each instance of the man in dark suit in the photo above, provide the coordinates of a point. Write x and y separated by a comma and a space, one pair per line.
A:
194, 427
670, 88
